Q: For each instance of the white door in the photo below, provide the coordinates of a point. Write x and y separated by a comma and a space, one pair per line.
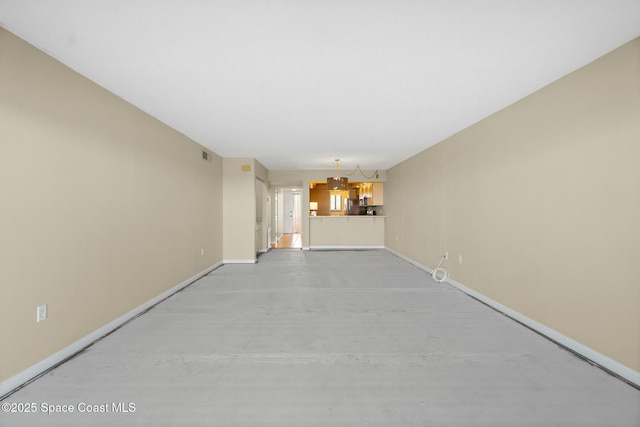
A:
287, 212
297, 214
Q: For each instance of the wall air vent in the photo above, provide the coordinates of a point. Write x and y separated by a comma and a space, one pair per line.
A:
205, 155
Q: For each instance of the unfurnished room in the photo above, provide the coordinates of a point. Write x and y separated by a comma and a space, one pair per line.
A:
320, 213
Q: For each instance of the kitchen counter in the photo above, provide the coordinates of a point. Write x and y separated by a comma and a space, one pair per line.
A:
346, 232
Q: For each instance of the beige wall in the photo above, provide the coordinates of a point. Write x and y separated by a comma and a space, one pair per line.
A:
239, 209
542, 200
102, 207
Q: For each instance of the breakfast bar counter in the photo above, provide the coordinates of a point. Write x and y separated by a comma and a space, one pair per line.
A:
346, 232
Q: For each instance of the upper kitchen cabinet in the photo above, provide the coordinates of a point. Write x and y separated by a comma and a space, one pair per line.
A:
371, 194
377, 194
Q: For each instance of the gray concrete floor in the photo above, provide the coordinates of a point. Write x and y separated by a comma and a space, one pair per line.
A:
357, 338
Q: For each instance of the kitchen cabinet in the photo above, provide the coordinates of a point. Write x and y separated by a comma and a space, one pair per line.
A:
371, 194
377, 194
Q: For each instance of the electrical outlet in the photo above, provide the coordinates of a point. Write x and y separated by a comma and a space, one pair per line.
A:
202, 251
459, 259
41, 313
446, 255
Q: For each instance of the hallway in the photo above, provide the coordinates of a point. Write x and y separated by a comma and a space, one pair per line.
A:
327, 338
289, 241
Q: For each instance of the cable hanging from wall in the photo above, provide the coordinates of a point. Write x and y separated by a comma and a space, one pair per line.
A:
338, 182
375, 174
443, 273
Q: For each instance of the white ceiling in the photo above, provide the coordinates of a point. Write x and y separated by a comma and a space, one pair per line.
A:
298, 83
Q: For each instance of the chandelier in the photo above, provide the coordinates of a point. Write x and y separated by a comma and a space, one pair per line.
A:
336, 182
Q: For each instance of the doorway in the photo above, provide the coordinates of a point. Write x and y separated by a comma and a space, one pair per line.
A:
289, 241
291, 220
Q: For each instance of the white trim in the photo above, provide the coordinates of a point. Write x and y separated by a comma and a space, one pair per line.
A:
344, 248
239, 261
594, 356
410, 260
33, 371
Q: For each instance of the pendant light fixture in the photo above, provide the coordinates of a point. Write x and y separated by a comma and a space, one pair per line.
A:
336, 182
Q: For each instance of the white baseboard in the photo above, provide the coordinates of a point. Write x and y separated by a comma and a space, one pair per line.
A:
343, 248
239, 261
34, 371
588, 353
